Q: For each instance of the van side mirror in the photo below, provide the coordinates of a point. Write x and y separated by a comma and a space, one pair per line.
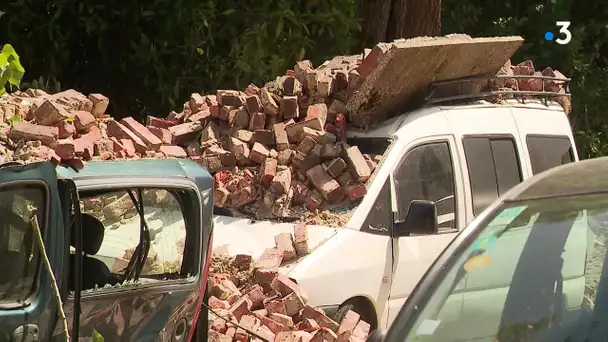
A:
377, 335
421, 219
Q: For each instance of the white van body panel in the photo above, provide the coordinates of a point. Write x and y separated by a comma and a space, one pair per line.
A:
348, 263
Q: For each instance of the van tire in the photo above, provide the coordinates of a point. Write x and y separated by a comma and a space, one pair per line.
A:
363, 307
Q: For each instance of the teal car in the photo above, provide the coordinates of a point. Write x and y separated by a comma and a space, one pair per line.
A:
129, 243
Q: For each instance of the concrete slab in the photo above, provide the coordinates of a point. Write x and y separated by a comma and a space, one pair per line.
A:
401, 72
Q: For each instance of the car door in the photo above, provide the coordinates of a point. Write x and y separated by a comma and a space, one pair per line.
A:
427, 171
28, 307
162, 301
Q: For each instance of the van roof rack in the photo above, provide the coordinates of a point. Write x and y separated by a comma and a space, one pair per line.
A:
494, 88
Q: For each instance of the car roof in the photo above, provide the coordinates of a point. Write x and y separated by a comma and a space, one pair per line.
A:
145, 167
578, 178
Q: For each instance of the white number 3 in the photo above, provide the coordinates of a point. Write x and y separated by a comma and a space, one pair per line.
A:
563, 25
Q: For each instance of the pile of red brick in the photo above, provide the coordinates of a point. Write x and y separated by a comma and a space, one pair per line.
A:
279, 145
268, 147
272, 306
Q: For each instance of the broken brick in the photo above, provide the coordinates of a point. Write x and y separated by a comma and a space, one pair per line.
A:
294, 131
264, 137
280, 135
349, 322
281, 182
289, 107
300, 238
159, 123
292, 86
357, 164
231, 98
173, 151
26, 131
285, 245
268, 171
163, 134
268, 102
238, 118
51, 113
336, 167
118, 130
258, 153
275, 307
306, 145
318, 111
284, 157
100, 104
271, 258
83, 120
257, 121
197, 102
294, 304
355, 192
300, 193
324, 335
65, 149
184, 133
327, 186
253, 104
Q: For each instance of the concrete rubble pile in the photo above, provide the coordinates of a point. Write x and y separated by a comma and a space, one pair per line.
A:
275, 151
269, 304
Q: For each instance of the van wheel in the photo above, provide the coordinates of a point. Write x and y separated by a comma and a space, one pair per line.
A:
361, 306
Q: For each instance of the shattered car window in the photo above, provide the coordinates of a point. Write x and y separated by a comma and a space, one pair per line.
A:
19, 253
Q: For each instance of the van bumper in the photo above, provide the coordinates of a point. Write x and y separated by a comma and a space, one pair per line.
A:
330, 310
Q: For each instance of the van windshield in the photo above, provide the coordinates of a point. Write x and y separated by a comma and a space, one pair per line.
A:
534, 272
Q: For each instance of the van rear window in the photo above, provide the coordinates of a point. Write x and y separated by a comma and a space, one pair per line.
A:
549, 151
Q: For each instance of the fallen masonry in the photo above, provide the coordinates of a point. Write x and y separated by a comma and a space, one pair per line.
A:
250, 299
277, 151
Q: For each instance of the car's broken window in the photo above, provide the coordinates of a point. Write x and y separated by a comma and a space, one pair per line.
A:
121, 222
19, 253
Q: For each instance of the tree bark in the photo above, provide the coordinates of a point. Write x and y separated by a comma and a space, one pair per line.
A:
387, 20
423, 18
376, 14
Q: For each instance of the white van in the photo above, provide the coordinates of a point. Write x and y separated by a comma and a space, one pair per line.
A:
455, 158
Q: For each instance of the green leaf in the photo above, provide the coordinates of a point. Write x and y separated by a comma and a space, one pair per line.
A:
97, 336
16, 72
228, 12
200, 51
9, 51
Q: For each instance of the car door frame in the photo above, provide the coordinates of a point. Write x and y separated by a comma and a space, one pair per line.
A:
407, 249
108, 307
39, 314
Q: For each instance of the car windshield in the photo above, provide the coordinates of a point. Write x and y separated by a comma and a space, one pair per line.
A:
534, 272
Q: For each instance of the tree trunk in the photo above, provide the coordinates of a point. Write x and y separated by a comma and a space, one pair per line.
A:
423, 18
376, 14
387, 20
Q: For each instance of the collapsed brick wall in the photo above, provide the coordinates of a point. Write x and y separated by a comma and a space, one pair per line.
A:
253, 295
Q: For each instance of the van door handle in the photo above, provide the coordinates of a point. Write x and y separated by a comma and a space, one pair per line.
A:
26, 333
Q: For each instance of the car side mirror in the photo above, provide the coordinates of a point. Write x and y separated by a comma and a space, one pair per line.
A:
421, 219
377, 335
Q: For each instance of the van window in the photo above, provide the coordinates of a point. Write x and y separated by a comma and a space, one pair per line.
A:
19, 251
380, 217
547, 152
120, 225
493, 168
427, 173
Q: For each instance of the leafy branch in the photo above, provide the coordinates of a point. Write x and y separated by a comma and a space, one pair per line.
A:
11, 70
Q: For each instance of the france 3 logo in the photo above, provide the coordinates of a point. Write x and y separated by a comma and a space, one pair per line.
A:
563, 31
